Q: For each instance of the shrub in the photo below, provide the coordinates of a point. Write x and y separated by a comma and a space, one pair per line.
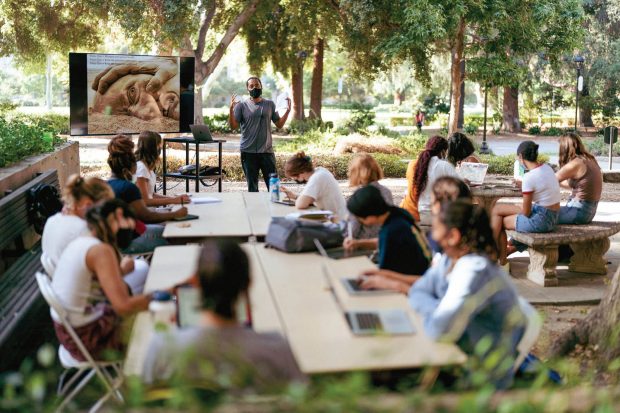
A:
471, 128
51, 122
553, 131
218, 123
297, 126
23, 136
534, 130
361, 118
598, 147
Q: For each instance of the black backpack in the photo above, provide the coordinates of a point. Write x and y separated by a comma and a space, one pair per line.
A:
43, 202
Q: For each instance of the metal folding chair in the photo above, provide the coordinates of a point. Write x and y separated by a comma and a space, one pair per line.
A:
109, 372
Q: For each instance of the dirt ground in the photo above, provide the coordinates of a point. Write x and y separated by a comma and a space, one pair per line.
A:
112, 124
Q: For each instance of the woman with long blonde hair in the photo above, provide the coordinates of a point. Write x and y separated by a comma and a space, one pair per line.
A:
579, 172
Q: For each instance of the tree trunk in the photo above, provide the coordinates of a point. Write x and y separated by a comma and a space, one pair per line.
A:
204, 69
316, 89
599, 327
461, 112
585, 112
48, 82
297, 84
457, 79
398, 97
511, 110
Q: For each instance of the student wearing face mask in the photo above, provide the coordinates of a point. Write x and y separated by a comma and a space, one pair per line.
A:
88, 281
79, 195
254, 117
321, 187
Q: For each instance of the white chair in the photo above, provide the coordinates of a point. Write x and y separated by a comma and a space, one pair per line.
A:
532, 331
110, 372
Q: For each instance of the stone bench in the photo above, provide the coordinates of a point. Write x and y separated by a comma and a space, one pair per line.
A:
588, 242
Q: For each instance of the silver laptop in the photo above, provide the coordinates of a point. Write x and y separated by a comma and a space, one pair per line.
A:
351, 284
201, 133
370, 322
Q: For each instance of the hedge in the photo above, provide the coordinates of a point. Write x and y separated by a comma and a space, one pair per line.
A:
394, 166
22, 136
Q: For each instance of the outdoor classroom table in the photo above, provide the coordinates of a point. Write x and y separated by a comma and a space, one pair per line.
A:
487, 194
174, 264
317, 330
221, 219
260, 210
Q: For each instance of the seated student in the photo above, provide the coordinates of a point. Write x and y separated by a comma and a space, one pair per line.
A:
122, 162
580, 172
541, 202
80, 194
147, 154
460, 149
321, 187
364, 170
402, 246
421, 174
467, 298
445, 189
88, 282
220, 344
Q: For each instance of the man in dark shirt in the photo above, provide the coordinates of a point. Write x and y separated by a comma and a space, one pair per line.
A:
402, 246
254, 116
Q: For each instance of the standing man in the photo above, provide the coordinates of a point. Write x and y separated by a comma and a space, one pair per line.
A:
255, 115
419, 120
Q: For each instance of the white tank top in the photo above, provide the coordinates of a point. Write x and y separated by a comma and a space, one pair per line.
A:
76, 287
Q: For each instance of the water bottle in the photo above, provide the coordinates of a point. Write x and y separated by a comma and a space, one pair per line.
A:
274, 187
163, 309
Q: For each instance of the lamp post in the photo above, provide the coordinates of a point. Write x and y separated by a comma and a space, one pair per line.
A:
484, 148
579, 87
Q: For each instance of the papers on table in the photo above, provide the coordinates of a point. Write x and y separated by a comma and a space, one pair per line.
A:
313, 214
473, 172
205, 200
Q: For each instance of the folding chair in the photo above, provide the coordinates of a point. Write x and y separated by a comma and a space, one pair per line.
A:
110, 372
532, 331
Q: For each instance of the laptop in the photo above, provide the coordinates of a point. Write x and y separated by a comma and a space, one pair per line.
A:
201, 133
473, 172
288, 202
352, 284
370, 322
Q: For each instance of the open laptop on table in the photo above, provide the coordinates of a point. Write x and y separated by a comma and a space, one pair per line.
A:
201, 133
352, 284
340, 252
369, 322
473, 172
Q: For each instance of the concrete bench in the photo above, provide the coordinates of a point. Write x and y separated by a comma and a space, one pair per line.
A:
588, 242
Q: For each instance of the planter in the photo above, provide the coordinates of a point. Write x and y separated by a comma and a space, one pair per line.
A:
65, 159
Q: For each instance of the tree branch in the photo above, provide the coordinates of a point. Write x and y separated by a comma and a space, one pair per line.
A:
206, 68
204, 28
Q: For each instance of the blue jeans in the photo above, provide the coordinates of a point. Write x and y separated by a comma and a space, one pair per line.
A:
577, 212
541, 219
147, 242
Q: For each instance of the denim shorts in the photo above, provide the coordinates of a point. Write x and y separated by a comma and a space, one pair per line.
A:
577, 212
541, 219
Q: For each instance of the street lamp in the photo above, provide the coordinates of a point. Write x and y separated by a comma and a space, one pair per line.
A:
484, 148
579, 87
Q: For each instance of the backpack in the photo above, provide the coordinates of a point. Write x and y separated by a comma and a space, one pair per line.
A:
295, 235
43, 202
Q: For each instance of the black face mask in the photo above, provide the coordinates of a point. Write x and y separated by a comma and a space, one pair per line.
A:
300, 181
256, 92
124, 236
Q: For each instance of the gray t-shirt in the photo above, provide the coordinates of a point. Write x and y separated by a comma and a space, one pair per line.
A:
255, 121
238, 356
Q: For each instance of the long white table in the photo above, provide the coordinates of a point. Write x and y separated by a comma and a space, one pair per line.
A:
260, 210
172, 265
221, 219
317, 331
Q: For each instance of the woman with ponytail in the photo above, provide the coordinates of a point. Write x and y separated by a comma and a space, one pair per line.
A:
467, 298
122, 162
421, 174
89, 283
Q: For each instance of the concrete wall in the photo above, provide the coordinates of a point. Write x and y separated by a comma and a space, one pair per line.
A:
66, 160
